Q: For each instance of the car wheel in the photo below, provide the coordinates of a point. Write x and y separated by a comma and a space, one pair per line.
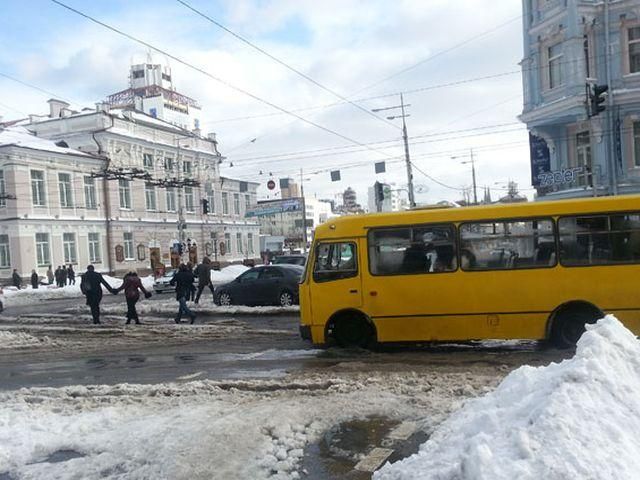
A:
224, 299
285, 299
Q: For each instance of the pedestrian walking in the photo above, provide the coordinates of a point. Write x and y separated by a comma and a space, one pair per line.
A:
71, 275
58, 275
204, 278
132, 286
16, 279
50, 276
35, 279
91, 287
63, 276
183, 280
192, 293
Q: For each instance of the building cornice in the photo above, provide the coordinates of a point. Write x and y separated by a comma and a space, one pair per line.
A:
549, 111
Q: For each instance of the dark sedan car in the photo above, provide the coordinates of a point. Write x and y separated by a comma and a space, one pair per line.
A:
262, 285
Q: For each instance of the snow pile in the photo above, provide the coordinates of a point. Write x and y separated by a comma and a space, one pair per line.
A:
574, 420
14, 297
11, 340
167, 304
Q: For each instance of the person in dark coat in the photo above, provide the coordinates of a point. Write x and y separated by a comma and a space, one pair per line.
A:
71, 275
16, 279
91, 287
132, 286
183, 280
58, 275
63, 276
204, 277
35, 279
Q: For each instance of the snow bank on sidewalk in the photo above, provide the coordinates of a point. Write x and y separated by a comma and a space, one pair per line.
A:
14, 297
168, 305
574, 420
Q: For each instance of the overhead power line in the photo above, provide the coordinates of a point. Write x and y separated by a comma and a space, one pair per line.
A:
440, 53
35, 87
213, 77
284, 64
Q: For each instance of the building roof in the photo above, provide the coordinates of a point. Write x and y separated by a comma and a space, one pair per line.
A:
21, 137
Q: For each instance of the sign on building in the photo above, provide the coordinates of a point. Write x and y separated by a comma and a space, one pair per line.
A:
540, 158
272, 208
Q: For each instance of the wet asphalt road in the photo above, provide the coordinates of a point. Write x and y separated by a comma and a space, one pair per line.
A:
267, 346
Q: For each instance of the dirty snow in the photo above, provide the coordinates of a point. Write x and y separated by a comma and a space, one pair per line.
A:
578, 419
13, 340
13, 297
238, 429
168, 305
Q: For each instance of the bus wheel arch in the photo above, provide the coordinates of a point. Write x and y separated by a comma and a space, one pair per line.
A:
567, 322
351, 328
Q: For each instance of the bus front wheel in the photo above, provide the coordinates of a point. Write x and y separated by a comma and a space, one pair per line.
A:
352, 330
569, 324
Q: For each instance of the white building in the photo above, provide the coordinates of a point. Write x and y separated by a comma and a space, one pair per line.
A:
123, 187
58, 215
144, 215
393, 201
283, 218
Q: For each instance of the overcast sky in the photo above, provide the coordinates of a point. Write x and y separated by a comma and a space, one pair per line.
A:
358, 49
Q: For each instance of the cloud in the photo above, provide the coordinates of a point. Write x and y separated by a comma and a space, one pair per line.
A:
345, 45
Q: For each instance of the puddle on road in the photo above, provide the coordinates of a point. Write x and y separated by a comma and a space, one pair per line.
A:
62, 456
336, 454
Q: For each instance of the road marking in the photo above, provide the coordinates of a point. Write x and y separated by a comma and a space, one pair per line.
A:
403, 431
191, 376
376, 457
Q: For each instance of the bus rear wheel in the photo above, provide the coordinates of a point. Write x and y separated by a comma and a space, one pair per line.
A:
353, 331
569, 324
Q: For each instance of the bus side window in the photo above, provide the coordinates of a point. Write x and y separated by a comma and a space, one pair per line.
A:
507, 244
334, 261
415, 249
600, 239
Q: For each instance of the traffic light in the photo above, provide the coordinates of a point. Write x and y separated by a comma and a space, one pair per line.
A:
205, 206
180, 249
596, 97
379, 190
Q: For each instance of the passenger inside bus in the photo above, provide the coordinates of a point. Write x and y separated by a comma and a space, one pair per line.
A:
415, 259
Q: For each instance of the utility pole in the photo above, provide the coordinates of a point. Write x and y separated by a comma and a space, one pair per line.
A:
405, 138
181, 222
304, 214
473, 176
473, 173
412, 198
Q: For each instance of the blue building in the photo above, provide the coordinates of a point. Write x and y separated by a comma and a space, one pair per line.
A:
570, 46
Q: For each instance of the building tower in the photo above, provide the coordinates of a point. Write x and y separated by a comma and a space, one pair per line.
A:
151, 91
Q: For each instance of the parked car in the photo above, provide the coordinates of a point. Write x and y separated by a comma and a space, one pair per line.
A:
262, 285
162, 284
290, 260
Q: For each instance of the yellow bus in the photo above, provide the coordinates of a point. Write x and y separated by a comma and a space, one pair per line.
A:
536, 270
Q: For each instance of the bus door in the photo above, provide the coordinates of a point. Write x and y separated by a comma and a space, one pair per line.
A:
336, 280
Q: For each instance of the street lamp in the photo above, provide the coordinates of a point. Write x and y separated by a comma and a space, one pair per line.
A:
403, 115
473, 174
